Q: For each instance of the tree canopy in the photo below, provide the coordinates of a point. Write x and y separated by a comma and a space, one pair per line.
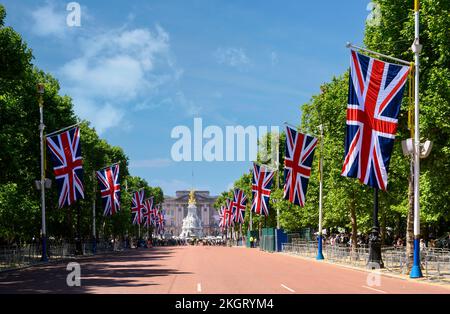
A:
20, 210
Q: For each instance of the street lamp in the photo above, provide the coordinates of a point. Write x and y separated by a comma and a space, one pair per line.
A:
319, 244
43, 181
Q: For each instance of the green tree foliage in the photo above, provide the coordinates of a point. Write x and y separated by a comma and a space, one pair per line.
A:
20, 211
348, 203
394, 36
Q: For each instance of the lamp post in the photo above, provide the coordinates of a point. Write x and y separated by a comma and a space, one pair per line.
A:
375, 259
416, 48
94, 235
40, 90
319, 244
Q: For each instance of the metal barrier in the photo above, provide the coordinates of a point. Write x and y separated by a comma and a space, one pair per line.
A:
29, 254
267, 243
435, 262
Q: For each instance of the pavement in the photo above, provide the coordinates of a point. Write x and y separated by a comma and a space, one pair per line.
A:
207, 270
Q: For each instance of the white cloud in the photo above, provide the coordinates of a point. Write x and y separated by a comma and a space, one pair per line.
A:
233, 57
47, 21
274, 58
116, 68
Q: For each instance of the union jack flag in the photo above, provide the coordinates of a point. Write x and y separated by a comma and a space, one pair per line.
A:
229, 213
65, 152
222, 217
108, 180
238, 206
261, 184
160, 222
137, 206
374, 98
297, 165
148, 214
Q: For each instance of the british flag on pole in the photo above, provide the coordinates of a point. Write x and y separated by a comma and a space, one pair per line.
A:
222, 217
297, 165
229, 213
137, 208
375, 95
148, 214
238, 206
65, 151
108, 179
261, 184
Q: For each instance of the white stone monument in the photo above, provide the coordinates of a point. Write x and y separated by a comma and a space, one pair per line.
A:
192, 225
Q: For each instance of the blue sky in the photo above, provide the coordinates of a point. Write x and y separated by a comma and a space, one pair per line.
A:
136, 69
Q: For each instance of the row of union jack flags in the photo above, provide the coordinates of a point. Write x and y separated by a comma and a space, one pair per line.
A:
374, 98
65, 152
298, 160
143, 212
234, 210
375, 94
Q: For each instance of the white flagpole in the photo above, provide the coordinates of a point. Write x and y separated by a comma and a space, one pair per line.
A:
319, 253
416, 47
350, 45
42, 181
63, 129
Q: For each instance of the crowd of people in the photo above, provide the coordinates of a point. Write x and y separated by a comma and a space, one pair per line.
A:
345, 239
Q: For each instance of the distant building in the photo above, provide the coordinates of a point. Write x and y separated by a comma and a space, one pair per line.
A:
176, 209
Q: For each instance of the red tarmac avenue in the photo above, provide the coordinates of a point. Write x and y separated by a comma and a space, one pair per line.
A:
204, 269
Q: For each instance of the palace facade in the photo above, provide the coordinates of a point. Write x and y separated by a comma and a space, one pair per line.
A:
176, 210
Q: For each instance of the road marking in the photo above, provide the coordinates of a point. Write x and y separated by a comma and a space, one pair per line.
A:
377, 290
199, 287
287, 288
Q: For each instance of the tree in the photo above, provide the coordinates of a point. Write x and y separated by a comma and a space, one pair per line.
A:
393, 36
20, 210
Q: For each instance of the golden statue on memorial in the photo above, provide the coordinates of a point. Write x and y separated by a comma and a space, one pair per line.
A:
192, 197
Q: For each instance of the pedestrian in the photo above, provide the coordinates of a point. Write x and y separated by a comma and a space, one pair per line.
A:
251, 242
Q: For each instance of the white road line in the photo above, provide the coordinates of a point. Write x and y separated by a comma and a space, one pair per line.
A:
377, 290
199, 287
287, 288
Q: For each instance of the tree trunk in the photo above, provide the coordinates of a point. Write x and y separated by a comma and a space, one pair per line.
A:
354, 227
383, 226
410, 225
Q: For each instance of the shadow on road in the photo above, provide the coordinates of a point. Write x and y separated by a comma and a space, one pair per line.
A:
132, 268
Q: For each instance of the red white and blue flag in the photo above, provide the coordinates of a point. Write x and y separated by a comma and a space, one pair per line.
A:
229, 213
261, 184
238, 206
148, 214
137, 208
222, 217
160, 221
374, 99
108, 180
297, 165
65, 151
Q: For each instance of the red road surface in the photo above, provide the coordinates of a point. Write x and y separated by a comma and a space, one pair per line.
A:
204, 269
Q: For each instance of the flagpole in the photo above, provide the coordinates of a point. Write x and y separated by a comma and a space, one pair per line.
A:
94, 235
375, 259
319, 247
416, 47
63, 129
42, 181
297, 128
350, 45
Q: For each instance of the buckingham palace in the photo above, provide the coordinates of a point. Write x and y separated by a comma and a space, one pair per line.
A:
176, 210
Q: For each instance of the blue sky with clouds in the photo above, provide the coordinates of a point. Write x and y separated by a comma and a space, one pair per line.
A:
136, 69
